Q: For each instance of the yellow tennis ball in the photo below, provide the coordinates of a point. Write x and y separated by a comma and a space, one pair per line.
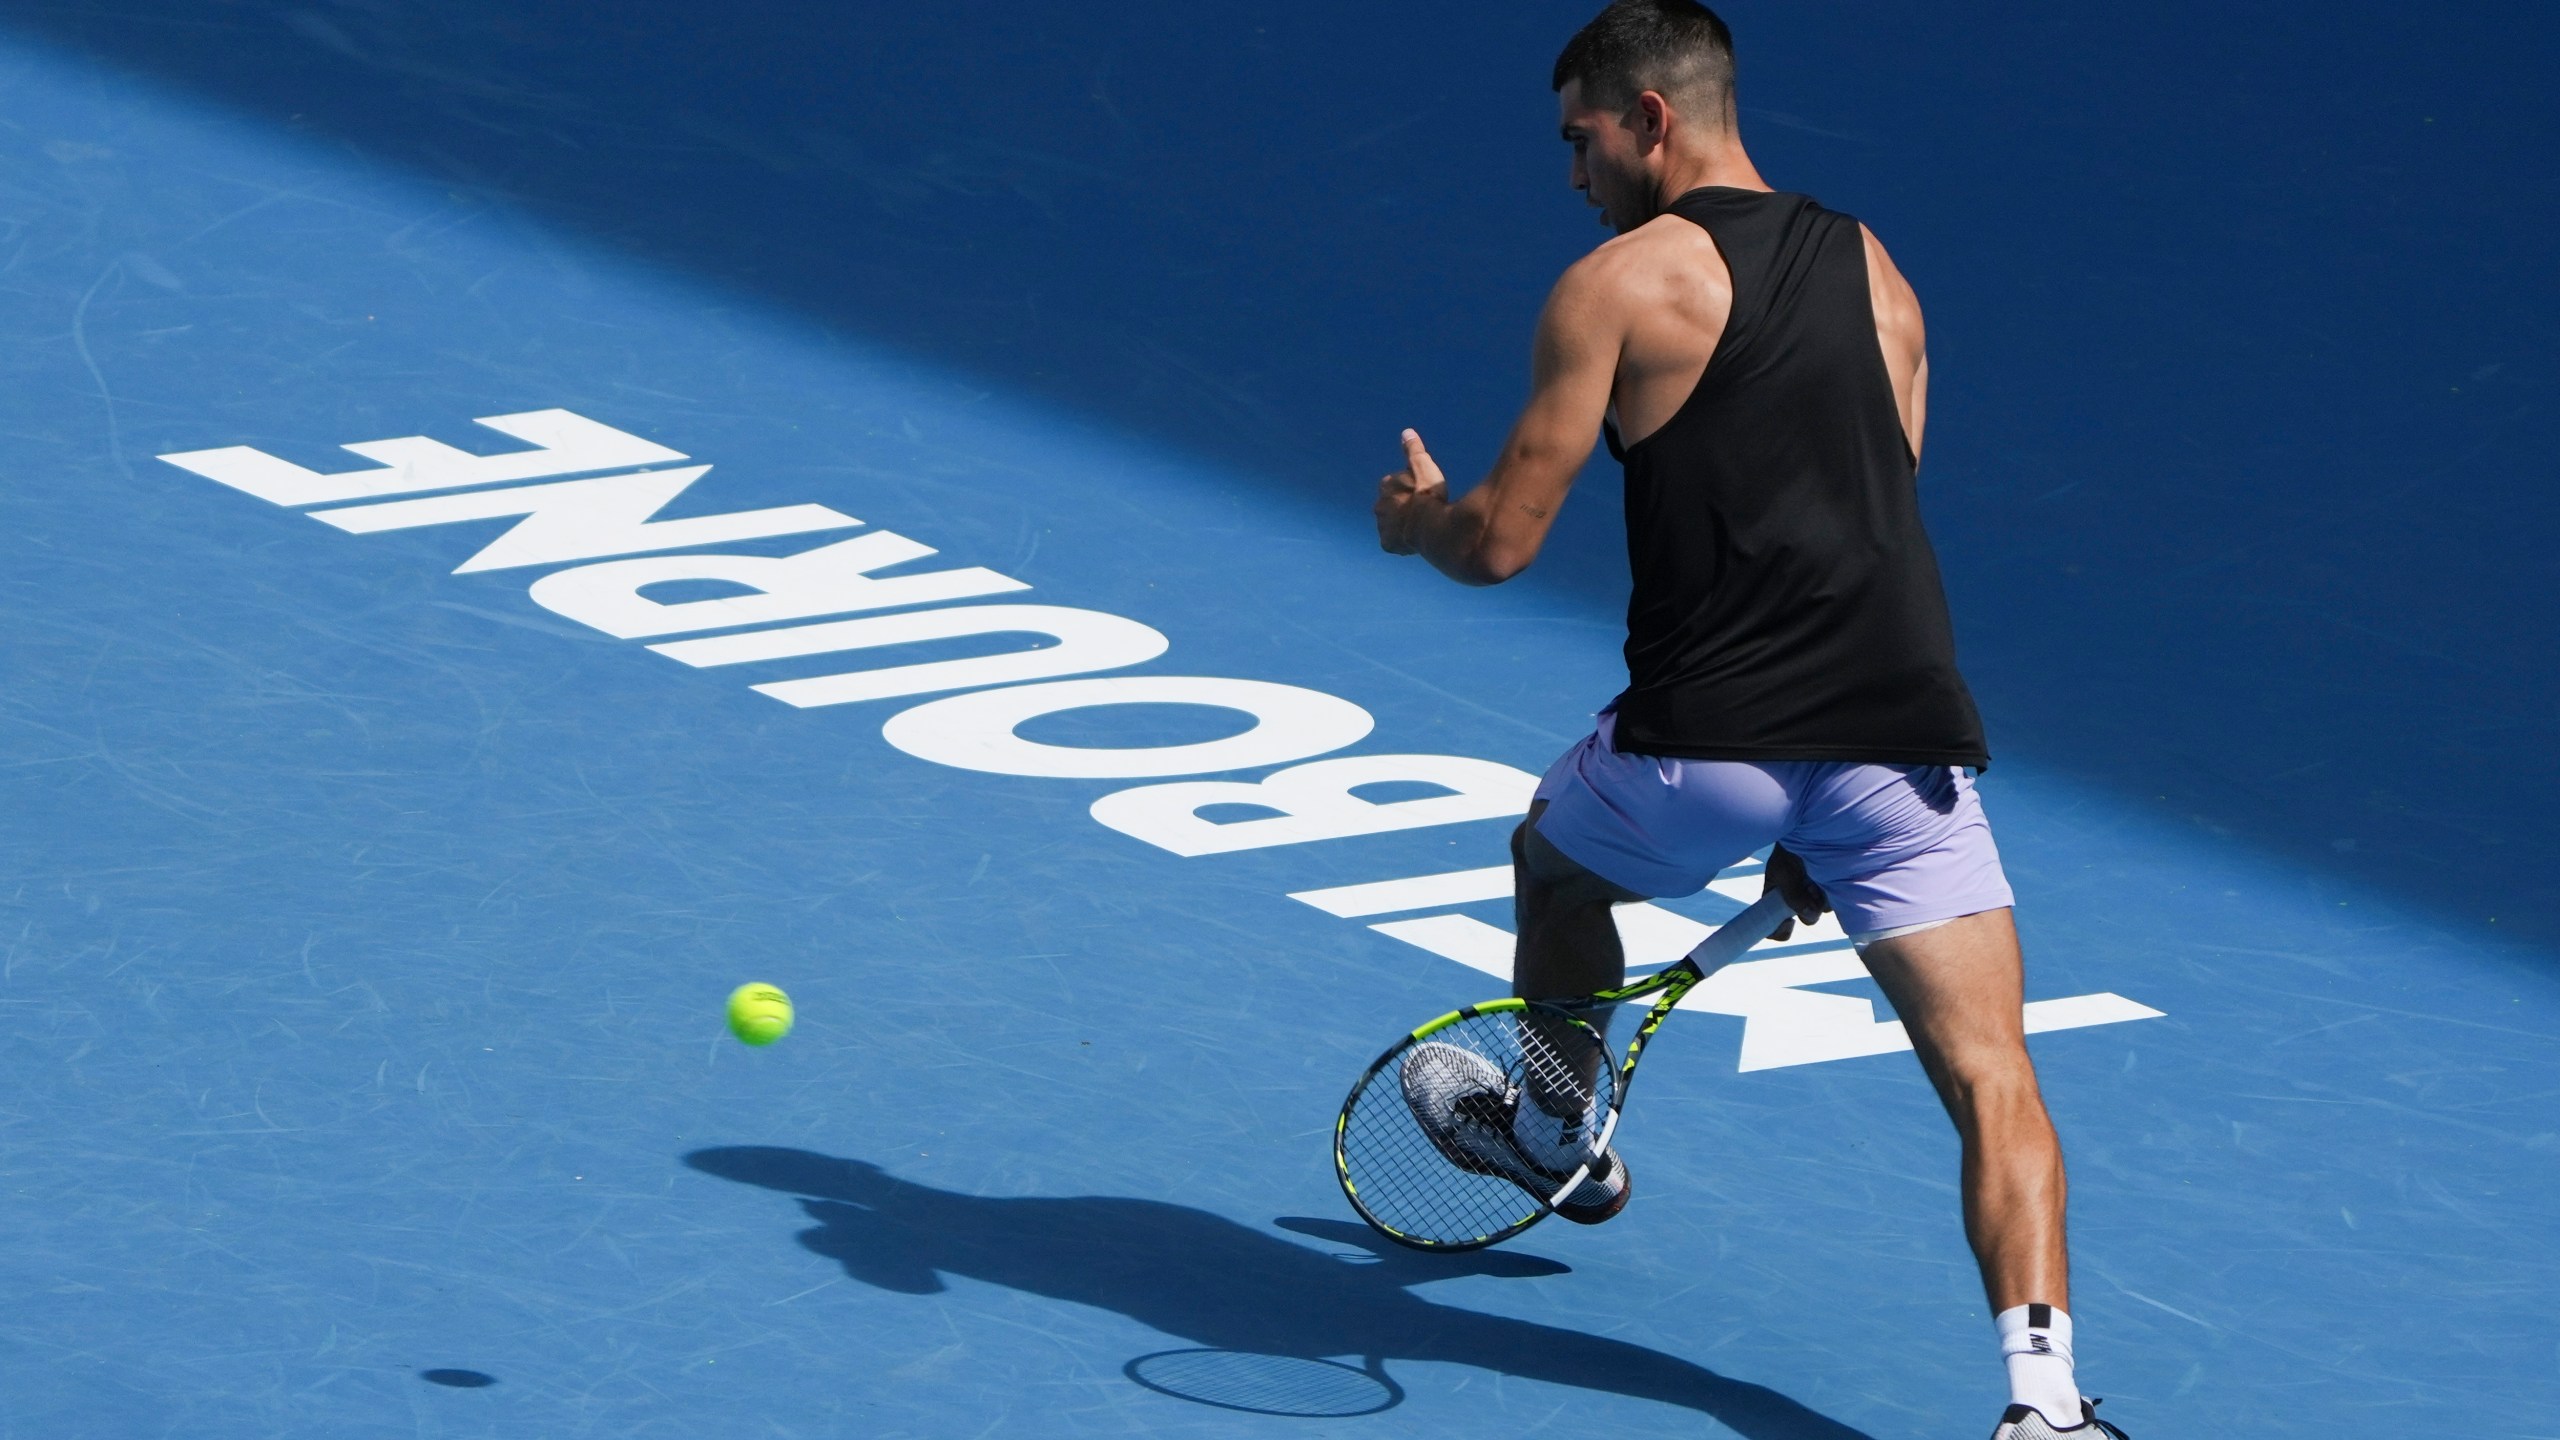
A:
759, 1014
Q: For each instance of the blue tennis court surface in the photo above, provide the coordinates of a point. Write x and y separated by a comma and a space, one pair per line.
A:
398, 777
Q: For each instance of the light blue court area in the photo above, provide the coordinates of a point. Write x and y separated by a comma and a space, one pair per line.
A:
520, 518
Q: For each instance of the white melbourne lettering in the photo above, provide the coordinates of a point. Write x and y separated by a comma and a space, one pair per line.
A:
1088, 640
584, 519
829, 580
564, 444
1315, 802
1785, 1022
976, 731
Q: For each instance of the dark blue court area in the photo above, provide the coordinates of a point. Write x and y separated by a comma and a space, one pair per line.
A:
417, 714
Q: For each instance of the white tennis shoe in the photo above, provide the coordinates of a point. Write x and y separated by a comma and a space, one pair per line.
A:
1467, 1106
2026, 1422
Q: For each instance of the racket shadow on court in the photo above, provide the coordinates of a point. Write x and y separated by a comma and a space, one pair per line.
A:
1267, 1321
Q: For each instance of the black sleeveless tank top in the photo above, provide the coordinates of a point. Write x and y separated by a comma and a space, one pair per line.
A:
1787, 605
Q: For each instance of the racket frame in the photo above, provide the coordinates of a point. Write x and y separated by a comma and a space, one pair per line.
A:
1672, 983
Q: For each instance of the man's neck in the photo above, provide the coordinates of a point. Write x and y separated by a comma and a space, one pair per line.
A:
1718, 161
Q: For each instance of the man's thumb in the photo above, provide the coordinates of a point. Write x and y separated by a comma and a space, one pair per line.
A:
1426, 471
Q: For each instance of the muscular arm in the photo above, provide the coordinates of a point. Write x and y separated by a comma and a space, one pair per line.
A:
1904, 339
1495, 531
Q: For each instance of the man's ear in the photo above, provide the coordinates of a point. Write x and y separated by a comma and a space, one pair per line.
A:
1652, 117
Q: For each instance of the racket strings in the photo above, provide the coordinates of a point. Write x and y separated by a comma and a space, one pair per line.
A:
1561, 1063
1432, 1143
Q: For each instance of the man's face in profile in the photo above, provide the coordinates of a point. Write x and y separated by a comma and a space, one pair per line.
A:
1608, 166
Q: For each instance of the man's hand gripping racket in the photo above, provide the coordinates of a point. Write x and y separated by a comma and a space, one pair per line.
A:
1485, 1121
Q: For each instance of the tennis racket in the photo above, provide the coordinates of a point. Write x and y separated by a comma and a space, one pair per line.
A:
1425, 1147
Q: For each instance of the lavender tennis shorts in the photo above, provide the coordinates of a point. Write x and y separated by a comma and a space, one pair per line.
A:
1894, 847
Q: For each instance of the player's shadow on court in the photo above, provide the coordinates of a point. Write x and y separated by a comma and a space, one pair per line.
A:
1222, 1285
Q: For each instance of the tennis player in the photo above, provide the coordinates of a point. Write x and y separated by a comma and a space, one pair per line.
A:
1757, 364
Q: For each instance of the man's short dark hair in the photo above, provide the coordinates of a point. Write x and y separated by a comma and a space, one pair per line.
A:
1678, 49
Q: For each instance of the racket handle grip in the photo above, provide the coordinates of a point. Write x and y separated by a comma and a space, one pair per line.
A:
1740, 933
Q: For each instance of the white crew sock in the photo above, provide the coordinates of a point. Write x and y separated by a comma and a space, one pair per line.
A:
1563, 1145
2035, 1343
1552, 1140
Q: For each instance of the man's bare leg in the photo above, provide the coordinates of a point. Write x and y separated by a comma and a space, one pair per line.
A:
1958, 989
1568, 948
1568, 943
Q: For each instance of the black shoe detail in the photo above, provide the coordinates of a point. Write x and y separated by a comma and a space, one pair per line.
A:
2089, 1417
2089, 1428
1593, 1214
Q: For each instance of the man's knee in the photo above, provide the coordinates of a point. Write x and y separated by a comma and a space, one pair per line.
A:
1985, 1075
